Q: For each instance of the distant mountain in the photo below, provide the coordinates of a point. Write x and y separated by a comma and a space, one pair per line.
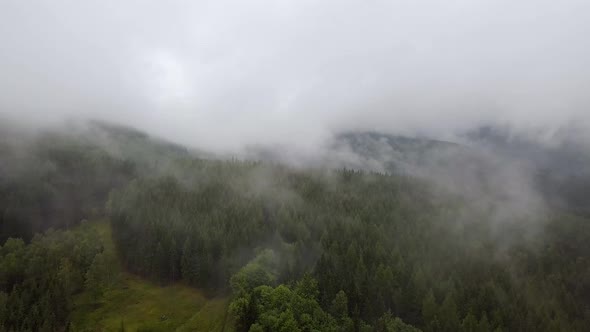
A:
491, 162
55, 177
561, 162
391, 153
564, 152
518, 170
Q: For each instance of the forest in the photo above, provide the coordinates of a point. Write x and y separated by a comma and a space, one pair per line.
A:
295, 166
291, 248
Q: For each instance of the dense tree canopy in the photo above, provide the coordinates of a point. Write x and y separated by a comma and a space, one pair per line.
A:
386, 242
296, 249
37, 280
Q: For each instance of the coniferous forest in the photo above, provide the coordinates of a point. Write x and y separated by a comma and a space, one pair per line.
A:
289, 248
295, 166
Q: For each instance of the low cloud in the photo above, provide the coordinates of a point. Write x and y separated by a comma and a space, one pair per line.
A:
227, 74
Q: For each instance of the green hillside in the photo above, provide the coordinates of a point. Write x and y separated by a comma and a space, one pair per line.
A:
183, 243
140, 305
143, 306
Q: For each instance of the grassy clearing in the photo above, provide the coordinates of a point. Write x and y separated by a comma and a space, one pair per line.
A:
211, 317
140, 305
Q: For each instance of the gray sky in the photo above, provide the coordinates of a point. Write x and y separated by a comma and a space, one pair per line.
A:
220, 74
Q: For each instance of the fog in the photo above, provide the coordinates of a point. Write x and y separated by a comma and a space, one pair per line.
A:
222, 75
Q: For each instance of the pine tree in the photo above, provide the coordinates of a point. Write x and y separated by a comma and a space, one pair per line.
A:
484, 324
470, 323
95, 276
449, 318
173, 254
340, 305
429, 311
189, 262
160, 266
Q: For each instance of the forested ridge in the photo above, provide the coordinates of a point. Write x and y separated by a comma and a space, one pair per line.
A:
295, 249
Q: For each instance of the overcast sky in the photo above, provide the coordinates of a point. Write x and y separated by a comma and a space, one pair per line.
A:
220, 74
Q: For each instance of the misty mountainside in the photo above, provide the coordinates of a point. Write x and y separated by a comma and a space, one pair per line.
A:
561, 165
489, 163
376, 233
295, 166
56, 177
